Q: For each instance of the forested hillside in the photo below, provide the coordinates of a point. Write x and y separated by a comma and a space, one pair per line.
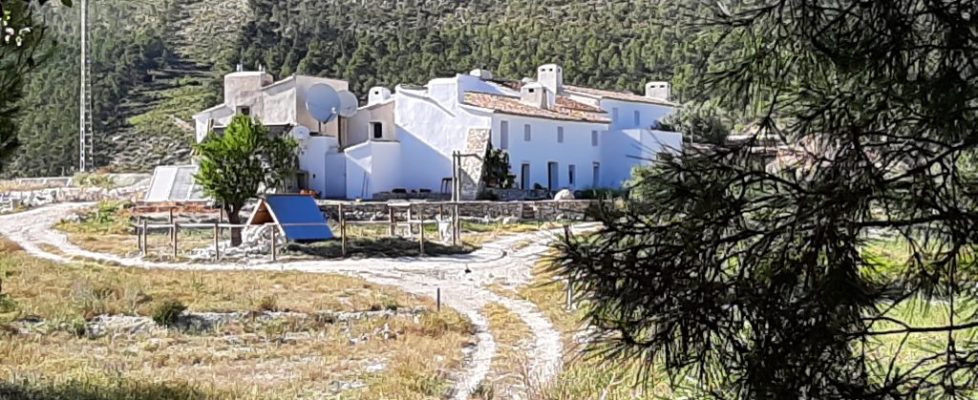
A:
157, 62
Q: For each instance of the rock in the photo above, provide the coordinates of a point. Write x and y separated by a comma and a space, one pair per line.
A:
565, 194
510, 220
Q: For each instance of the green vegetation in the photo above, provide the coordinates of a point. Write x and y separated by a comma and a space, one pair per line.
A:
237, 163
168, 312
157, 63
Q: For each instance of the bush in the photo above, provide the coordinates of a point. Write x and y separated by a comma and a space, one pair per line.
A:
168, 312
7, 304
268, 303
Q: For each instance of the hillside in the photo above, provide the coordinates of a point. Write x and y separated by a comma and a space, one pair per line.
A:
156, 63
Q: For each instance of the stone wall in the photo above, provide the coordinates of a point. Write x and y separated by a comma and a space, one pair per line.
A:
493, 210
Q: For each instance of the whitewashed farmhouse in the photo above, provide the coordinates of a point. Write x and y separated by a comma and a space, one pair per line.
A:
558, 136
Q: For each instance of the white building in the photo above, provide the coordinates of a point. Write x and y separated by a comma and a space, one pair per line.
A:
557, 136
281, 106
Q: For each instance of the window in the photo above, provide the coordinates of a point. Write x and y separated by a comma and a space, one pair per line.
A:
571, 175
560, 134
594, 138
596, 174
526, 133
244, 110
525, 177
504, 135
638, 118
378, 130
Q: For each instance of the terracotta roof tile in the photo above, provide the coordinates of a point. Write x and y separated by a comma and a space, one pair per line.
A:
623, 96
565, 109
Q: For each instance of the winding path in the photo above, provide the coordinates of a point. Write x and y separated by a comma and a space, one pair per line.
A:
462, 281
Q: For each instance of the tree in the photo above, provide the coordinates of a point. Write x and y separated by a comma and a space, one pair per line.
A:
235, 165
848, 270
22, 37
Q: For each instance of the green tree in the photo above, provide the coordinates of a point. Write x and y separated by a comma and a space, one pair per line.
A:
21, 38
751, 281
236, 164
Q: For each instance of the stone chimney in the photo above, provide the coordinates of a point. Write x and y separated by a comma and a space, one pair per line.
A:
659, 90
535, 95
551, 76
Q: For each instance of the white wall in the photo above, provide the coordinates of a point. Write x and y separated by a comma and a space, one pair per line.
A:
360, 129
544, 148
649, 114
630, 148
372, 167
429, 131
312, 159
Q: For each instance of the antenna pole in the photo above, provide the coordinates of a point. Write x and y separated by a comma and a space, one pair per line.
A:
86, 145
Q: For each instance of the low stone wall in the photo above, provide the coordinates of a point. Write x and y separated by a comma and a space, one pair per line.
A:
40, 197
548, 210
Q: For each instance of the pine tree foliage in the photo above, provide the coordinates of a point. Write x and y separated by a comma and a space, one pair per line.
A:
754, 280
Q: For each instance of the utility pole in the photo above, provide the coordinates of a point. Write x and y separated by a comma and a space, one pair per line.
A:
86, 139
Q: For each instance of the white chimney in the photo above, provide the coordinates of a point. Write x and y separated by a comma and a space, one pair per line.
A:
552, 77
535, 95
483, 74
658, 90
378, 95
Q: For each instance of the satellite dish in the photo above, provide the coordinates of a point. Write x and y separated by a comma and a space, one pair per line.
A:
348, 104
323, 102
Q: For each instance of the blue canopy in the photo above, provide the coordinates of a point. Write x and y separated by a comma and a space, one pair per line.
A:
297, 216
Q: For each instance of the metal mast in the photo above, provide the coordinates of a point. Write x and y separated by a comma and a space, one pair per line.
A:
86, 137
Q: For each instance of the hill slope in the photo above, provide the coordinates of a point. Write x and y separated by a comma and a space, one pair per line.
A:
157, 63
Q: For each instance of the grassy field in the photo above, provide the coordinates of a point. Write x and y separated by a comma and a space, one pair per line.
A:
403, 356
108, 228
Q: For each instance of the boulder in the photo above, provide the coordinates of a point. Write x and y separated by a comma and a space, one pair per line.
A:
565, 194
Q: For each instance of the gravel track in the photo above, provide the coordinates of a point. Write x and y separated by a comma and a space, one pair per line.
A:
462, 280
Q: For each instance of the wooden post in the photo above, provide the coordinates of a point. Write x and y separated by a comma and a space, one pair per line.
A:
567, 233
421, 230
390, 216
172, 229
145, 239
438, 299
175, 234
274, 243
570, 294
217, 240
410, 217
455, 238
342, 231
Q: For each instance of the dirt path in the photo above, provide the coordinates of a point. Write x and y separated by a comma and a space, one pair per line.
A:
462, 280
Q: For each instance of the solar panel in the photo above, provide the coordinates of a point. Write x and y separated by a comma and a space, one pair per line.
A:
299, 209
174, 183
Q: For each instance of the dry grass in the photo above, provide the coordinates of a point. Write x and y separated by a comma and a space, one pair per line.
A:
508, 373
69, 291
279, 359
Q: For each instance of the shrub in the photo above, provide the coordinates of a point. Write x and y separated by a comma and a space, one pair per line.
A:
7, 304
268, 303
168, 312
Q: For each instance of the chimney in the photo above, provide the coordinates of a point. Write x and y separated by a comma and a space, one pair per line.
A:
552, 77
483, 74
377, 95
535, 95
658, 90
